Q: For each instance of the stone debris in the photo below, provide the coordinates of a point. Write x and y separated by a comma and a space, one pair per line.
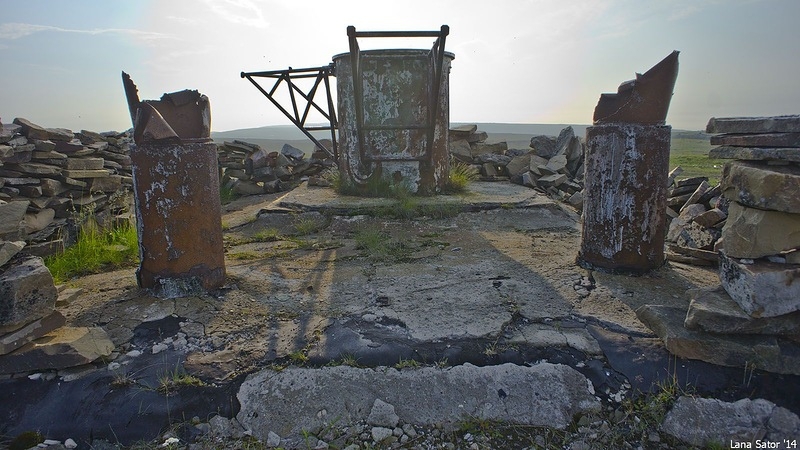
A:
249, 169
53, 176
696, 213
552, 165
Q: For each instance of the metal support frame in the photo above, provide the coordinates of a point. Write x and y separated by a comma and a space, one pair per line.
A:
436, 56
321, 75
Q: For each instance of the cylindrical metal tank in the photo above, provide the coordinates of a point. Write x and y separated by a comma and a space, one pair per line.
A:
624, 213
394, 102
176, 188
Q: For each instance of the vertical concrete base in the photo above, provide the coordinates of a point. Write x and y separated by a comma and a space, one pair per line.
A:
624, 212
178, 212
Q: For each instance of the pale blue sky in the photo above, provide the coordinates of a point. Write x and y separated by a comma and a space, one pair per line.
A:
536, 61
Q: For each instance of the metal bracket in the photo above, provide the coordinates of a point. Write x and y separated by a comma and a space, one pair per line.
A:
321, 75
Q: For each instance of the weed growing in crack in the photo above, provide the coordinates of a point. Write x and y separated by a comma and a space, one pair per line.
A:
305, 225
407, 364
173, 380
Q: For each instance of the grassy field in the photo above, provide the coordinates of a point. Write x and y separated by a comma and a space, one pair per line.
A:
692, 156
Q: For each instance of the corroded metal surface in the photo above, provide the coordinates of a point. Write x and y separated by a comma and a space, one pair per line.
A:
178, 216
644, 100
395, 87
624, 215
176, 193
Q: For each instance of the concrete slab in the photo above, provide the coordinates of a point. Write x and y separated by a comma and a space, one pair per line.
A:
479, 196
300, 400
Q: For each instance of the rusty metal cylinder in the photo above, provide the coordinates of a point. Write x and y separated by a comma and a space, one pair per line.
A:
178, 212
624, 213
396, 86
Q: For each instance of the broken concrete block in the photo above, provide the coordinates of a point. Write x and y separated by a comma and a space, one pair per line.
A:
753, 233
27, 293
761, 289
63, 347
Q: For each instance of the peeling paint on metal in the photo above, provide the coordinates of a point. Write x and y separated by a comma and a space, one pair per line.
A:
395, 86
625, 207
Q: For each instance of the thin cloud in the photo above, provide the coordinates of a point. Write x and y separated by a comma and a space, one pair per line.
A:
243, 12
13, 31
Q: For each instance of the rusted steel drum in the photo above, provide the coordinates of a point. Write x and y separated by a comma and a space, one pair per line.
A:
624, 213
396, 86
176, 187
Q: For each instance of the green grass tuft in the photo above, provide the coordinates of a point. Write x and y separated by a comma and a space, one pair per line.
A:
460, 176
96, 249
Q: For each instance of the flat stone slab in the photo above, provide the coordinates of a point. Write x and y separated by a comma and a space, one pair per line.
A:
758, 140
297, 399
61, 348
479, 196
760, 351
754, 233
761, 289
762, 186
713, 310
741, 125
755, 153
31, 332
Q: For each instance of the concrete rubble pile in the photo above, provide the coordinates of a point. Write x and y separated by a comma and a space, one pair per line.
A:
552, 165
249, 169
752, 319
697, 213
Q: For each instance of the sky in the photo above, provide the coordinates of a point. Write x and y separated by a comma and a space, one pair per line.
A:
516, 61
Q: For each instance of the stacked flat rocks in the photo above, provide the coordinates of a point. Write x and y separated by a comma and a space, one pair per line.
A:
52, 174
760, 255
552, 165
698, 212
249, 169
753, 318
32, 332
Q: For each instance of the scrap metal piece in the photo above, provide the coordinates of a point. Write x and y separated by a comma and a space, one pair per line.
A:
177, 116
644, 100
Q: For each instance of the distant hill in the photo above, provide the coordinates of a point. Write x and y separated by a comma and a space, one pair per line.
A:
517, 135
